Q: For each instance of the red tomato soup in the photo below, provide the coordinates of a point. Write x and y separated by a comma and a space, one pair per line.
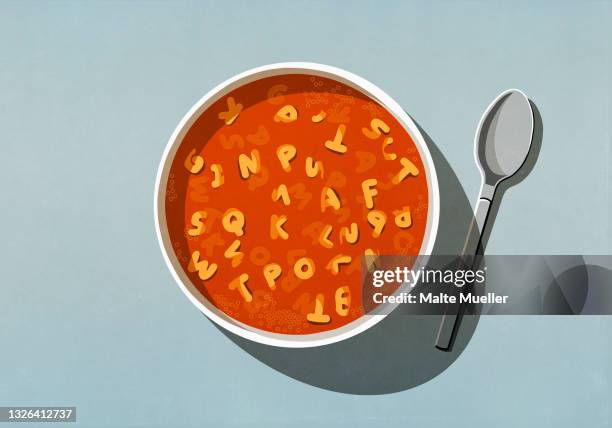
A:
277, 191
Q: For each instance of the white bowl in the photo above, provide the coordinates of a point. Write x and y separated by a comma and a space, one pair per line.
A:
201, 302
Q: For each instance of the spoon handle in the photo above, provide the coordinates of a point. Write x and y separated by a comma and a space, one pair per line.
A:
476, 229
472, 248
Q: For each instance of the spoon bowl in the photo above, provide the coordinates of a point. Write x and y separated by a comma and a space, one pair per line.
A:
504, 136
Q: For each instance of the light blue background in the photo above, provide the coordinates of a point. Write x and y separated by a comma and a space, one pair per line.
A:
89, 94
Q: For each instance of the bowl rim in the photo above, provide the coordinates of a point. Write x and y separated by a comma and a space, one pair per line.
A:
188, 288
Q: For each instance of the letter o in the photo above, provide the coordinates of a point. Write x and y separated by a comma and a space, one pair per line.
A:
304, 268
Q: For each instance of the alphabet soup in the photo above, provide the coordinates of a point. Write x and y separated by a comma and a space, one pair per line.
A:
279, 188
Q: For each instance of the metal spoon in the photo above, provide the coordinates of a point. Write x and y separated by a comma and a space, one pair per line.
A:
502, 143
